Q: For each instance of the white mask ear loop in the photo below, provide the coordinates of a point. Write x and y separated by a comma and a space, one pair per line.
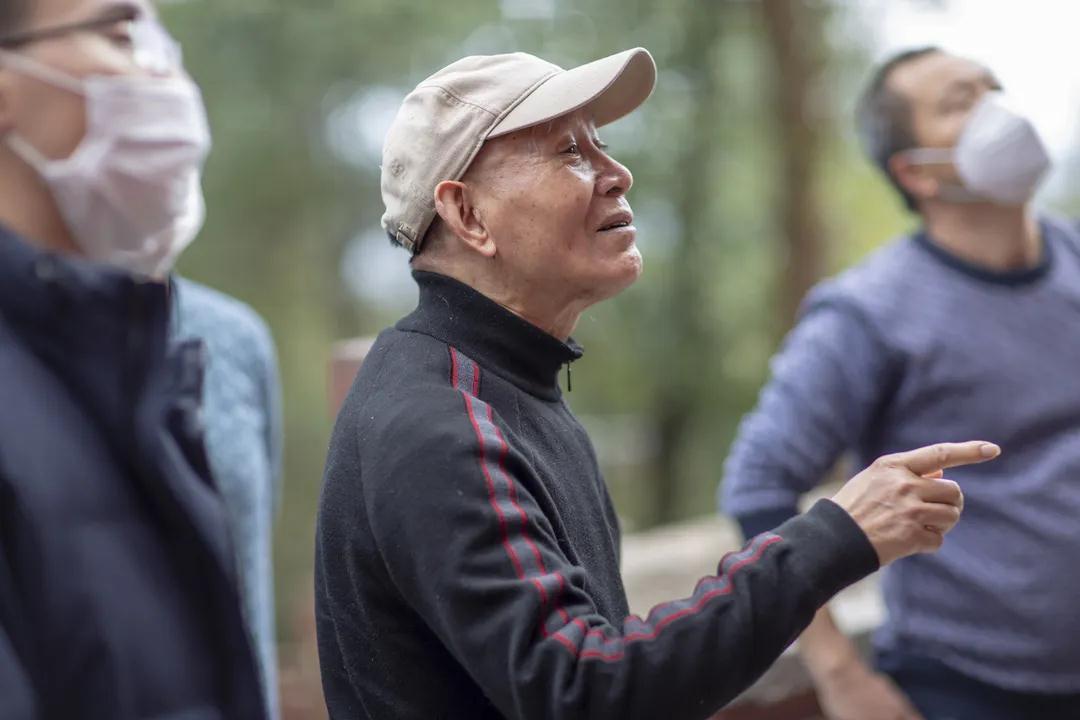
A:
42, 72
930, 156
39, 71
30, 154
947, 191
942, 156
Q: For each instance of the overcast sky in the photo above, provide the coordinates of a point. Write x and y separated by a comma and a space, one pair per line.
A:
1031, 46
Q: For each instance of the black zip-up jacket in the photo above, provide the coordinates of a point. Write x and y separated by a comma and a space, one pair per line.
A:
467, 551
117, 588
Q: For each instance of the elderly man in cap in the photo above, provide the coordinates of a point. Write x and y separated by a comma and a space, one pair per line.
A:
468, 553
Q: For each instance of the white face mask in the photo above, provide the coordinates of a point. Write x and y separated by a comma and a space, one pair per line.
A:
999, 156
130, 193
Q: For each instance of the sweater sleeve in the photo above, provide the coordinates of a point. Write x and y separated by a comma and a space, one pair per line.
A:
270, 390
828, 382
457, 519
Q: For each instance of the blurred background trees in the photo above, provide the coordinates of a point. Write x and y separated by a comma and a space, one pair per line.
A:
748, 188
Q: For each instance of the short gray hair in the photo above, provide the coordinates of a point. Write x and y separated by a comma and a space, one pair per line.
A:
883, 117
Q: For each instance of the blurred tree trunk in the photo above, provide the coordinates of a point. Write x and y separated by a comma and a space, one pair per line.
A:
679, 390
794, 37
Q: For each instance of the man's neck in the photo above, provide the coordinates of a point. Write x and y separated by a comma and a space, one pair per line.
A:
559, 322
27, 209
534, 305
993, 237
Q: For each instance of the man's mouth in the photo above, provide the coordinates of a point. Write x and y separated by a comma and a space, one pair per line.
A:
615, 222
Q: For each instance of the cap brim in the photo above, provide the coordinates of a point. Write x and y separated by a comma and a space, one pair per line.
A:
611, 88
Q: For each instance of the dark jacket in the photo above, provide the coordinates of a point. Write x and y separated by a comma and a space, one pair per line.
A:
467, 551
117, 588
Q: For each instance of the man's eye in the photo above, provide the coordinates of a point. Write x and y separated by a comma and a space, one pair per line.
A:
121, 37
959, 106
572, 149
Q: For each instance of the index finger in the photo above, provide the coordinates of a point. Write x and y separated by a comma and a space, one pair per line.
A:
932, 458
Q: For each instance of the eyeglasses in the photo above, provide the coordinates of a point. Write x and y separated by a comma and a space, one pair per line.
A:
152, 47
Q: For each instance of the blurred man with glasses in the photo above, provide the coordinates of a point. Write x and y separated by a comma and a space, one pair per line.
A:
117, 584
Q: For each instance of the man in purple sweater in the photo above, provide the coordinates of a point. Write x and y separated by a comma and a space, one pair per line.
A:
969, 327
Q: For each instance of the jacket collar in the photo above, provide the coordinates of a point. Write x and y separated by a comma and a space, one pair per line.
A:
100, 330
500, 341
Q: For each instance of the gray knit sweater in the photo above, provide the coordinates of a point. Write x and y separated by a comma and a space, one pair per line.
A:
913, 347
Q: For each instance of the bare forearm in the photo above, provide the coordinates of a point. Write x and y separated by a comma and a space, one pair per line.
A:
847, 688
825, 649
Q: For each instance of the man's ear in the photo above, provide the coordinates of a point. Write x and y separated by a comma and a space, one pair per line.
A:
453, 203
913, 178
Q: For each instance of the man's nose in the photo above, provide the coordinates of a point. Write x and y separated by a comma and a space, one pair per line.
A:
615, 179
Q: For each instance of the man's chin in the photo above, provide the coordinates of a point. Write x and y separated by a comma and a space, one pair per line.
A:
625, 274
635, 265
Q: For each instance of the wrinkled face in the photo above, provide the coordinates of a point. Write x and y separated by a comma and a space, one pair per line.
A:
555, 204
941, 91
50, 118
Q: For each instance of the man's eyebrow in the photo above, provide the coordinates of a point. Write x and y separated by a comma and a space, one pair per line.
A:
961, 84
119, 12
114, 13
964, 84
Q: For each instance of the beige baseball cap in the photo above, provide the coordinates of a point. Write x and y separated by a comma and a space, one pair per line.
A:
443, 123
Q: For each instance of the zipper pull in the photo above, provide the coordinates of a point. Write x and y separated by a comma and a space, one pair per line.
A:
569, 384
